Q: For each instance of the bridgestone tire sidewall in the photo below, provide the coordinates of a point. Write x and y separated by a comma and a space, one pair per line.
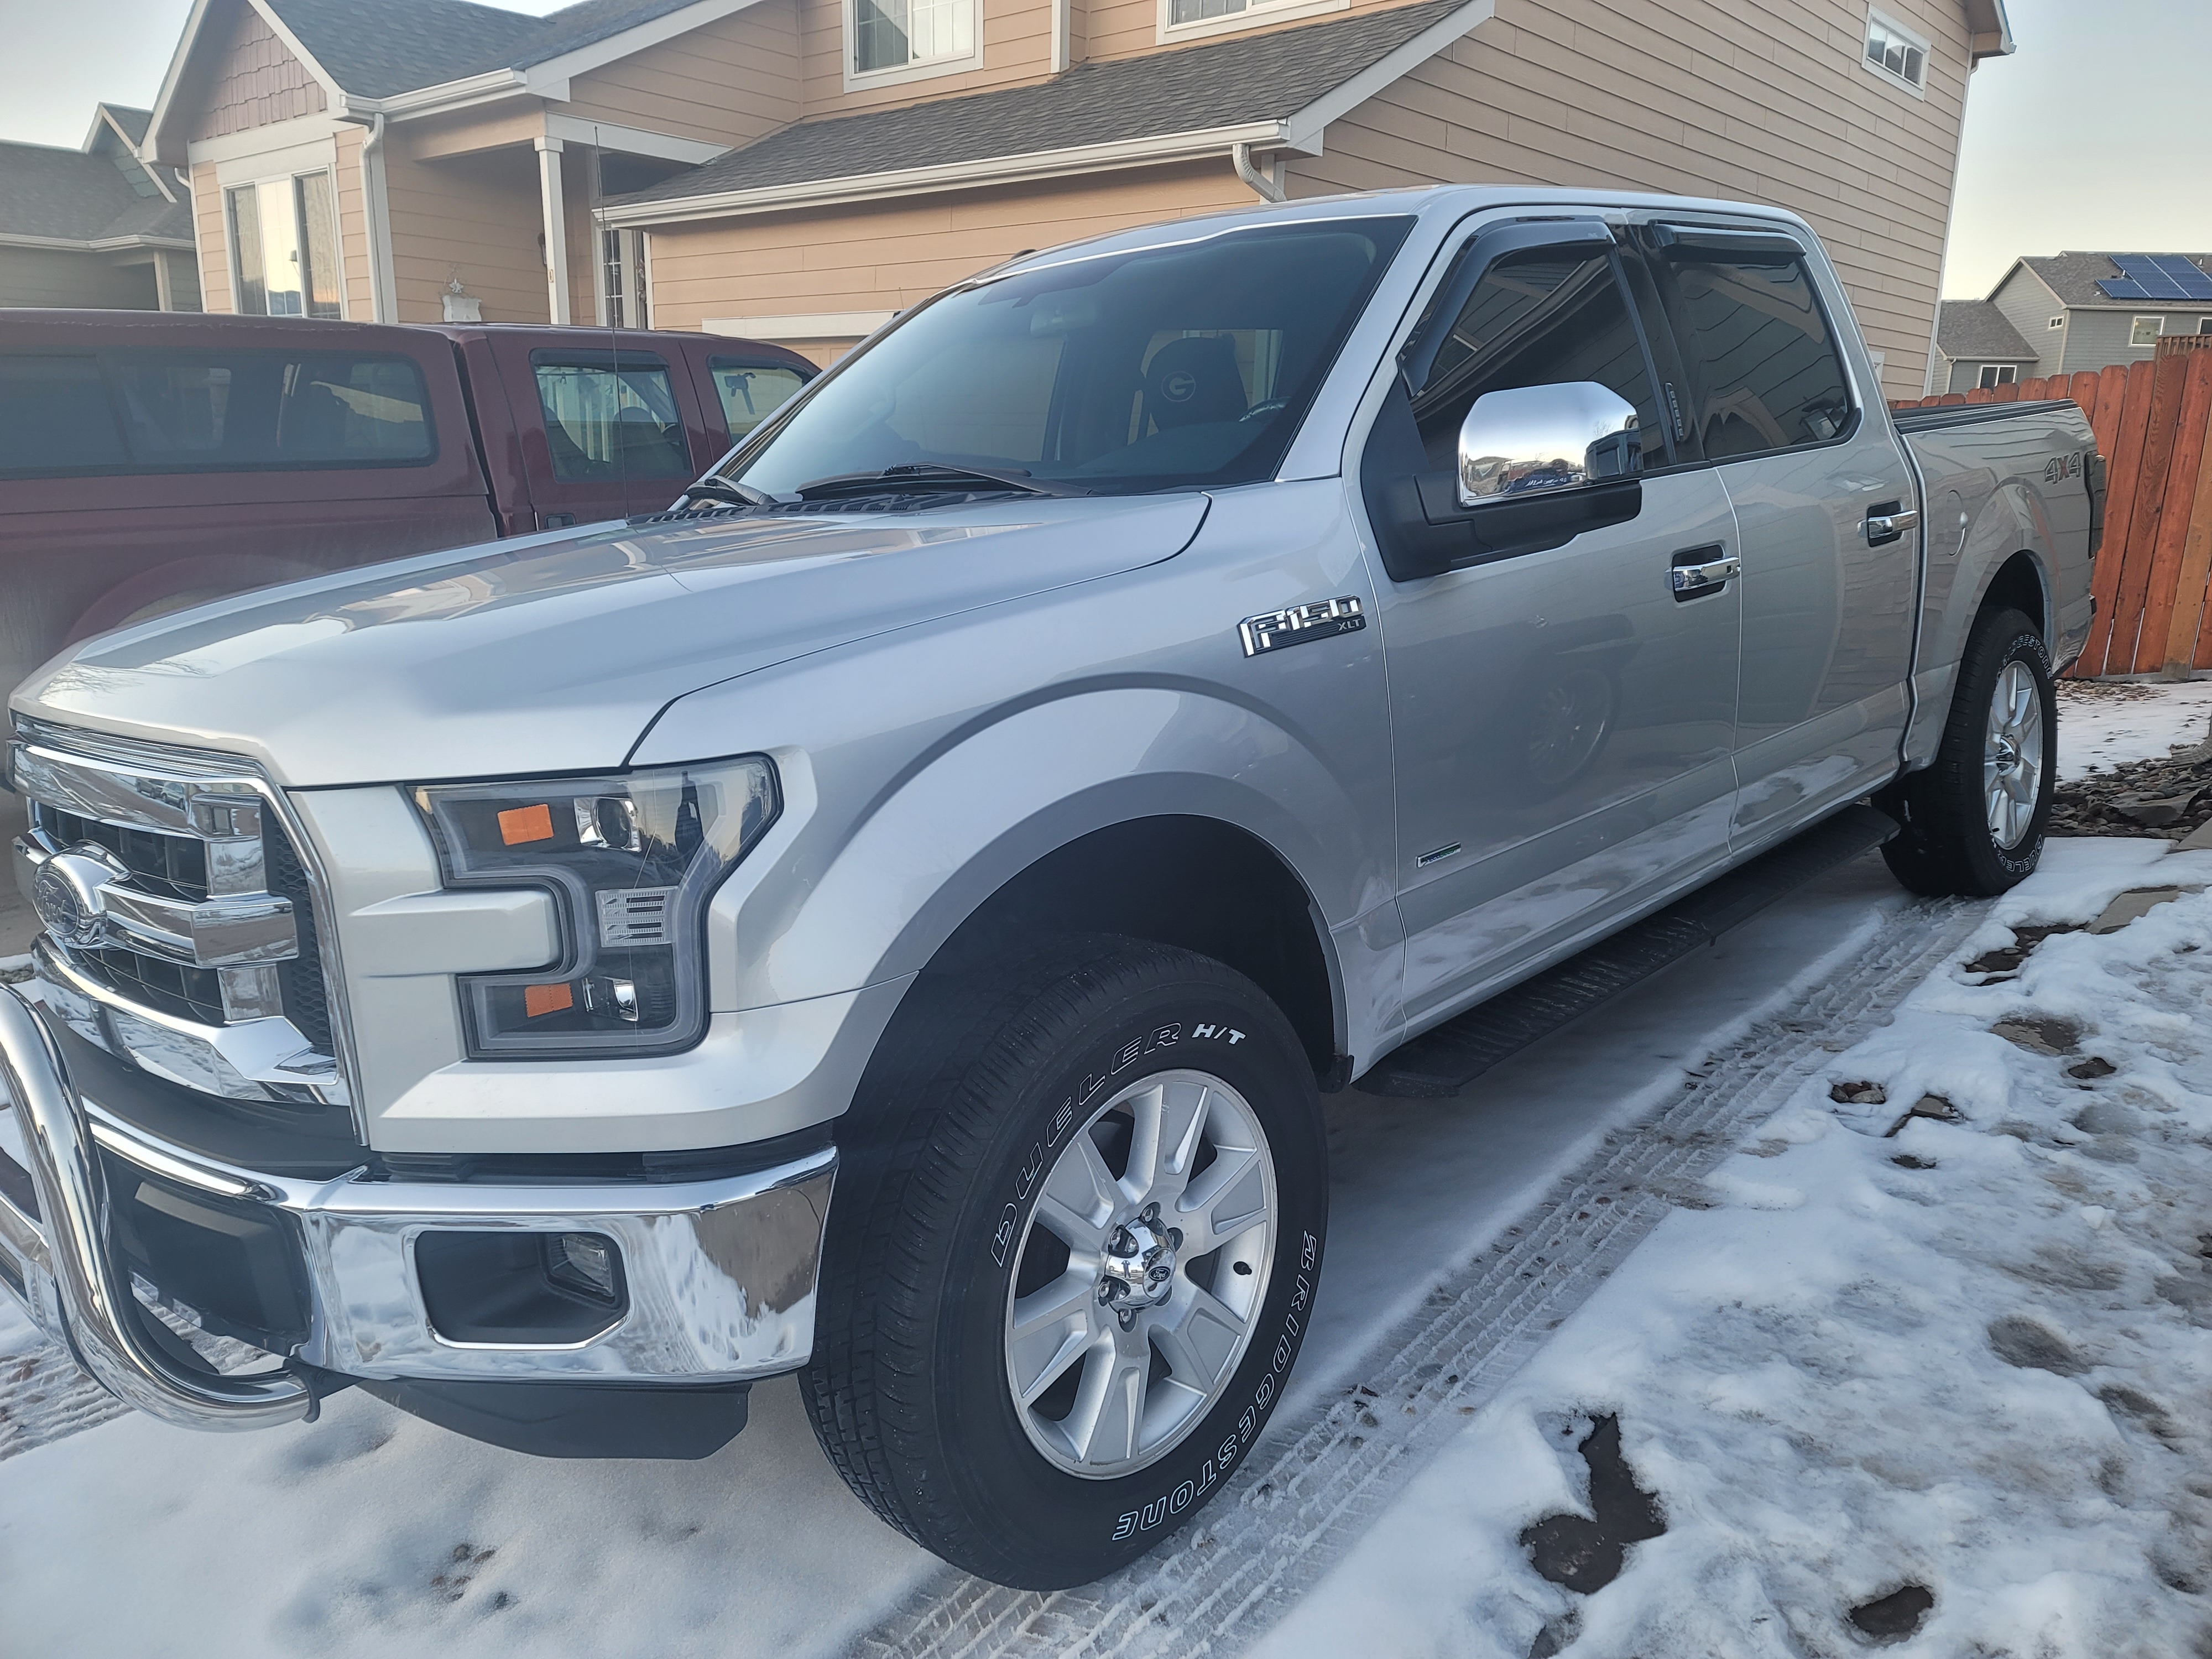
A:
1999, 868
1071, 1528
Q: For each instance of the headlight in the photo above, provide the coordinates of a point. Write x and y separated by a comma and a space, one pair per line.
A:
631, 860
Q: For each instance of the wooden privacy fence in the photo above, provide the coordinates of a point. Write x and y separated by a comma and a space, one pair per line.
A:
2151, 420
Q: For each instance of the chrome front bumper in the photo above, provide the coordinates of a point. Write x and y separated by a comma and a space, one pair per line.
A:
720, 1273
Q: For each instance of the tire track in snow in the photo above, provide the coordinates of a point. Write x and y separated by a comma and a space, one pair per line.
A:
1324, 1475
45, 1397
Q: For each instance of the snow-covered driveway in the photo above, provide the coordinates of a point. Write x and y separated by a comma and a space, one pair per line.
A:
1804, 1343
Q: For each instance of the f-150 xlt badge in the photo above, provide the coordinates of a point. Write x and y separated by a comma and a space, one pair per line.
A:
1323, 619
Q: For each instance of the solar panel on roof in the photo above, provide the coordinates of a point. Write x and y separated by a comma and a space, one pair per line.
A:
2193, 283
2155, 283
2118, 290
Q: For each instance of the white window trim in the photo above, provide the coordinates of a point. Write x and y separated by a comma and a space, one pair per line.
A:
2135, 323
857, 81
256, 170
1875, 15
2059, 321
1256, 14
2005, 374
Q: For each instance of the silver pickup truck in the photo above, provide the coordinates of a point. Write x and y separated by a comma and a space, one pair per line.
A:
892, 917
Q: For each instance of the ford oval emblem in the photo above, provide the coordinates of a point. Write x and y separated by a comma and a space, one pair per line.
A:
66, 895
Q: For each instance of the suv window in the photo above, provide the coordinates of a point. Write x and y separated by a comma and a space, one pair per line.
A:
1538, 317
55, 416
128, 411
751, 393
1763, 365
608, 420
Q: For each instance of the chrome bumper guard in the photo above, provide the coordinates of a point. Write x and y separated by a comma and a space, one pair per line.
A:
720, 1273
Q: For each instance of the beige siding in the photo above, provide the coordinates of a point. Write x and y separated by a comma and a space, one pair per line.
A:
1765, 103
214, 239
728, 83
250, 78
353, 226
474, 216
884, 255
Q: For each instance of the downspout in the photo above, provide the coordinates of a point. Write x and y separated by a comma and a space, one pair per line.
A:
375, 213
1240, 157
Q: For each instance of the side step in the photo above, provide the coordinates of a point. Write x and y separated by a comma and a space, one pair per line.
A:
1446, 1060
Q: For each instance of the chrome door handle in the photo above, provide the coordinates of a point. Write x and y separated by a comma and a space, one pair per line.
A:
1694, 581
1890, 526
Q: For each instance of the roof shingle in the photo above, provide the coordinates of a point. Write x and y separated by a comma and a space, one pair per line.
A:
1975, 331
67, 195
401, 46
1257, 78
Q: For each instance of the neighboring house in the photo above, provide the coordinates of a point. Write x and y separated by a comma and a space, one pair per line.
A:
2078, 312
1977, 346
94, 226
800, 170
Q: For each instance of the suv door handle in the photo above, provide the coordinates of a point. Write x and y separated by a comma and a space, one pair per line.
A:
1889, 522
1699, 571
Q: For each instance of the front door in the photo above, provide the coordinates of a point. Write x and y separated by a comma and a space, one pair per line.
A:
1817, 481
1563, 719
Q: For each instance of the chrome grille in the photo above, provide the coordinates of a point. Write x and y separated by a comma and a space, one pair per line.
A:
179, 918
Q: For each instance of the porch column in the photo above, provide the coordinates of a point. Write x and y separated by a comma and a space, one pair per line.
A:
556, 228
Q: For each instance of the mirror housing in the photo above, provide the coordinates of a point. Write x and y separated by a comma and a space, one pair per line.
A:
1542, 438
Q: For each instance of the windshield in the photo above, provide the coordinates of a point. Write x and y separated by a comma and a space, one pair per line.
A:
1171, 366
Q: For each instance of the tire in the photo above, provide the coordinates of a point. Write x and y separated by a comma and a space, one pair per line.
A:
1949, 844
966, 1162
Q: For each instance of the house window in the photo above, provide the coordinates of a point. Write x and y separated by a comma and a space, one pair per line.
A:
623, 279
284, 247
1896, 53
2145, 332
890, 35
1182, 17
2059, 321
2204, 324
1998, 374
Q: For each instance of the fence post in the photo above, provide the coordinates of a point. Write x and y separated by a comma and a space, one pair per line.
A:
2161, 602
2130, 415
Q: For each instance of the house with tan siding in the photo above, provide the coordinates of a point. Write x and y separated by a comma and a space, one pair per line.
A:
802, 170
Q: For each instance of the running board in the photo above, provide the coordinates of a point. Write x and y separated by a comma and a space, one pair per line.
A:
1446, 1060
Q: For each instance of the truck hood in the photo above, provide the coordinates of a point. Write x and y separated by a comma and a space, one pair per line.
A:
554, 653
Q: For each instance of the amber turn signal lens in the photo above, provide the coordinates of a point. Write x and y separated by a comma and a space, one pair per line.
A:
546, 999
521, 823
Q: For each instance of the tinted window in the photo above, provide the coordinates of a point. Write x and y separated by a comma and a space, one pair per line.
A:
1763, 366
1188, 363
607, 421
748, 391
55, 416
189, 412
1537, 318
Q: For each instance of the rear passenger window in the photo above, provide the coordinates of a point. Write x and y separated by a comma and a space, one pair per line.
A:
1541, 318
55, 416
236, 412
607, 420
1764, 367
749, 392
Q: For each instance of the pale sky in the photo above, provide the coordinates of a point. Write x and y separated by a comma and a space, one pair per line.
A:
2092, 137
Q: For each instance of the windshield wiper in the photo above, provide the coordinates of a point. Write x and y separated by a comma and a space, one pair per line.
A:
728, 489
920, 476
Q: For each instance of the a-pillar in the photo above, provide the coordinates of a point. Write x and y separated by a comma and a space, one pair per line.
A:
556, 236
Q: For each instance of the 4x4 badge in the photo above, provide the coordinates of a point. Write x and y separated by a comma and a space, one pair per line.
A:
1322, 619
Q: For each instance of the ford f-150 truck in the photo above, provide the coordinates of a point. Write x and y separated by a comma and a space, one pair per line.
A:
891, 916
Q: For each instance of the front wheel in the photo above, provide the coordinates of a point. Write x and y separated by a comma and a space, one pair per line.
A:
1974, 822
1070, 1257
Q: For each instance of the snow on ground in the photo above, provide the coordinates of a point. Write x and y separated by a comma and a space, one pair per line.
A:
330, 1538
2103, 724
1973, 1357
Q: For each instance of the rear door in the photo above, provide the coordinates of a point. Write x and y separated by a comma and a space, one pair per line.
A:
1815, 476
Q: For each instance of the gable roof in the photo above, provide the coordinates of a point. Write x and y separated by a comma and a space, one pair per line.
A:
2073, 278
1248, 82
1975, 331
401, 45
76, 198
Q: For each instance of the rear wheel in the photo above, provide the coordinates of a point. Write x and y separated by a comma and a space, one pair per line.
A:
1070, 1257
1974, 822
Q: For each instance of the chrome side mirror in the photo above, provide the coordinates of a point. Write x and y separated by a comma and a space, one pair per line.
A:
1542, 438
